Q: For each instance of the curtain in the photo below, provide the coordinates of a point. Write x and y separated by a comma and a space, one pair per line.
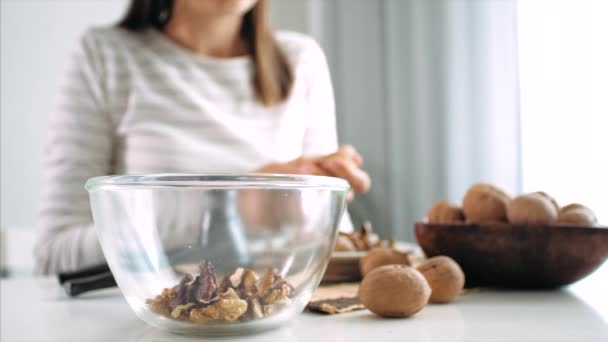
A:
428, 92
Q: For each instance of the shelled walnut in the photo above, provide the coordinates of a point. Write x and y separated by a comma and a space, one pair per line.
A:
229, 307
162, 303
239, 296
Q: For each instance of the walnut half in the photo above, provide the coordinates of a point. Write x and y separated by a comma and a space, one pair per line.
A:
229, 307
273, 288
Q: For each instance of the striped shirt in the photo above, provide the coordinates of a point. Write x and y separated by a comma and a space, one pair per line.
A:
138, 103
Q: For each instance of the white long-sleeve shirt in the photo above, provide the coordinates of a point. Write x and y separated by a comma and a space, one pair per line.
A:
137, 103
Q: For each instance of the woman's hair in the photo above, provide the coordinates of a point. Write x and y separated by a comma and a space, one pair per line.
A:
273, 75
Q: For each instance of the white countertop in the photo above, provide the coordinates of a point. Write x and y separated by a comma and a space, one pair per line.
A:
36, 309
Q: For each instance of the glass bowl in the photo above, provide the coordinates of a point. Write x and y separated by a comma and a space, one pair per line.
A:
217, 254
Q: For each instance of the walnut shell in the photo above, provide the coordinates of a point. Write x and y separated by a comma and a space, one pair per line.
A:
485, 203
380, 256
394, 291
365, 239
445, 211
344, 244
445, 277
549, 197
577, 214
531, 208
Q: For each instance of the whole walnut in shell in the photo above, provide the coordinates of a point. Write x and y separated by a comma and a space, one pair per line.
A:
530, 209
394, 291
549, 197
577, 214
485, 203
445, 277
380, 256
445, 211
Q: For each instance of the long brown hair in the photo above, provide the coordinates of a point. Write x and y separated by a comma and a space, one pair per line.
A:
273, 75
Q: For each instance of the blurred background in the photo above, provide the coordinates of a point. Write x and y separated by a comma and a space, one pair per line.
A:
435, 94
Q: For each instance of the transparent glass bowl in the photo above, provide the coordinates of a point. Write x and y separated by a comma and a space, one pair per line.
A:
255, 246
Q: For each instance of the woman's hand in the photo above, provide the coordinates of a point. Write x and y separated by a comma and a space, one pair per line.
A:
344, 163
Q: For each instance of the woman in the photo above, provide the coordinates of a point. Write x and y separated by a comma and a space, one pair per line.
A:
185, 86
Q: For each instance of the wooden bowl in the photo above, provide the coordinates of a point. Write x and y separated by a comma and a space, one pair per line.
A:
517, 256
344, 266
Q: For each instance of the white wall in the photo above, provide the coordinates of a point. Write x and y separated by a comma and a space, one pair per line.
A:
564, 88
36, 37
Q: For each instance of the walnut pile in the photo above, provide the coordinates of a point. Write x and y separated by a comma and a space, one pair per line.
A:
362, 240
240, 296
484, 202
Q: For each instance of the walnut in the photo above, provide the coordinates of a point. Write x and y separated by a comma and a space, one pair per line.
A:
203, 289
445, 277
394, 291
577, 214
362, 240
380, 256
161, 303
273, 288
181, 292
242, 295
271, 309
233, 280
445, 211
267, 281
531, 209
367, 235
181, 311
249, 286
198, 316
242, 280
278, 294
229, 307
485, 203
254, 309
549, 197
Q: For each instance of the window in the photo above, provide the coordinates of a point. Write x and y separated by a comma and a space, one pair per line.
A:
563, 56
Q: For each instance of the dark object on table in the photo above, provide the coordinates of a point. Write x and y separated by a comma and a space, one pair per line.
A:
85, 280
517, 256
86, 272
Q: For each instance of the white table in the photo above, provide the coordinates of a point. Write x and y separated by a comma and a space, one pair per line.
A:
36, 309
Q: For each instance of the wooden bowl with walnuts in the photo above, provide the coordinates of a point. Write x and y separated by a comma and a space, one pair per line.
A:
528, 241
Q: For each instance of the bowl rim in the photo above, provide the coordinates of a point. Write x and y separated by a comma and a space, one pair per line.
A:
217, 181
502, 226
